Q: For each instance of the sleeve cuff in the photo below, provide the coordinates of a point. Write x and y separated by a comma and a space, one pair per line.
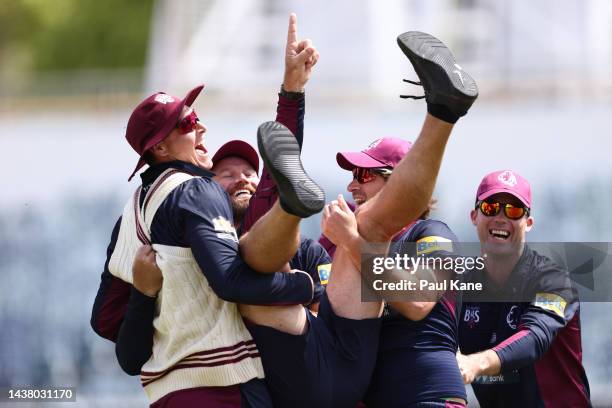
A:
311, 291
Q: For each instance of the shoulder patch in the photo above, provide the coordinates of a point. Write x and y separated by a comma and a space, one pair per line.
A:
324, 271
433, 243
225, 229
552, 302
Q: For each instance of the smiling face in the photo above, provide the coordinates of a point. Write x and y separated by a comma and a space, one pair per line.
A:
498, 234
185, 143
362, 192
239, 179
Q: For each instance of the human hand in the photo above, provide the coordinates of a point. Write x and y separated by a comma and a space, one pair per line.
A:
338, 223
468, 367
147, 277
300, 57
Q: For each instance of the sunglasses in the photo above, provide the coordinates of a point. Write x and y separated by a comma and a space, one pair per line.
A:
363, 175
492, 208
188, 123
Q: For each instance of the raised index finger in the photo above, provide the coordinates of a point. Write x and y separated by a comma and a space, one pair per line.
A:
292, 30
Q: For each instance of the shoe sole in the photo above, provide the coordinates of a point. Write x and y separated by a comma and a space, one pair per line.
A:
280, 152
445, 82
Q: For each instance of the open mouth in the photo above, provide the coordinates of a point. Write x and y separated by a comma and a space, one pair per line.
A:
242, 193
499, 234
201, 150
359, 199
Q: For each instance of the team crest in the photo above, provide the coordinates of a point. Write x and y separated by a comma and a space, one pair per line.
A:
324, 271
508, 178
163, 98
374, 144
512, 317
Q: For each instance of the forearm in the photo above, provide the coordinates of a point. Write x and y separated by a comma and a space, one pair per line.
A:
519, 350
135, 340
290, 112
243, 285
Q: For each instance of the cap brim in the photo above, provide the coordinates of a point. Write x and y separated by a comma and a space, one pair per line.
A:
350, 160
494, 191
238, 148
139, 165
192, 95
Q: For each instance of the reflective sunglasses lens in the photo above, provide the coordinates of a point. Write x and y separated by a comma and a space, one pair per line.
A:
514, 213
188, 123
363, 175
489, 209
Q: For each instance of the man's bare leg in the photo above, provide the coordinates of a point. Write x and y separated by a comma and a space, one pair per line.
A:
409, 189
449, 92
271, 241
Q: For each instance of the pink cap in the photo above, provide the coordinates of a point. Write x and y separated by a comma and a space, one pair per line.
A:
385, 152
505, 181
154, 119
238, 148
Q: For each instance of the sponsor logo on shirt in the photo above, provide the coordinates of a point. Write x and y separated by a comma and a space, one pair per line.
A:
471, 316
552, 302
506, 378
430, 244
512, 317
225, 229
324, 271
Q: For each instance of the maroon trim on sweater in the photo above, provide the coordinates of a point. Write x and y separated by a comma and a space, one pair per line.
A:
238, 358
207, 358
218, 397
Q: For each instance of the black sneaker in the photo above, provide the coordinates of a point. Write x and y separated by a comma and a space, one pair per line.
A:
444, 82
298, 193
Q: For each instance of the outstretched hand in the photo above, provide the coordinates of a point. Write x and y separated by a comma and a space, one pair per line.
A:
300, 57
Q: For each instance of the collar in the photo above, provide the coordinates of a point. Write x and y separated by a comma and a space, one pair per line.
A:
155, 170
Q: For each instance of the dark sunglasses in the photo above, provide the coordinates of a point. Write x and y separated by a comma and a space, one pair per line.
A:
492, 208
363, 175
188, 123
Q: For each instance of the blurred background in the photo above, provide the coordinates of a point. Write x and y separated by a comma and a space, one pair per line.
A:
72, 70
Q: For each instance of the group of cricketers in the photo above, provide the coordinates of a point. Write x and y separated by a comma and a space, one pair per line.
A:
213, 297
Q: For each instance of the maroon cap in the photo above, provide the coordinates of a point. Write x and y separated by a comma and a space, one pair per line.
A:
505, 181
385, 152
153, 120
238, 148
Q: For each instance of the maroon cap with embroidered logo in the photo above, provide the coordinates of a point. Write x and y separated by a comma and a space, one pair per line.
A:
505, 181
385, 152
154, 119
237, 148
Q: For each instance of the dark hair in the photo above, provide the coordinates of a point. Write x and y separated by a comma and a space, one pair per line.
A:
149, 157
